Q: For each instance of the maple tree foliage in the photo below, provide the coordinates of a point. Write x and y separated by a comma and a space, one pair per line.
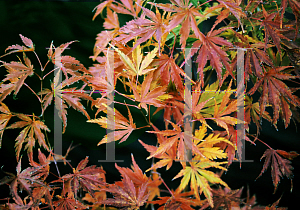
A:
201, 114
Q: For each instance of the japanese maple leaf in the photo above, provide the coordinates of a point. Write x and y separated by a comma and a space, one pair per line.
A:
4, 119
41, 192
206, 145
29, 134
168, 71
139, 178
68, 203
122, 126
176, 138
105, 36
128, 7
26, 179
252, 112
185, 14
177, 200
43, 164
64, 97
193, 107
209, 50
174, 108
255, 55
279, 167
271, 29
127, 195
137, 66
166, 158
295, 6
222, 111
17, 73
233, 7
276, 92
67, 64
149, 93
111, 21
200, 178
87, 178
224, 197
18, 48
99, 8
136, 174
144, 28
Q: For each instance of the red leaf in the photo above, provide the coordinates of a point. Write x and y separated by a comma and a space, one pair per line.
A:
279, 166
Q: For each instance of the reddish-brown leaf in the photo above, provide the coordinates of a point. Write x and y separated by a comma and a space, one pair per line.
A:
29, 134
279, 166
68, 203
126, 194
24, 180
184, 14
4, 119
209, 50
276, 92
87, 178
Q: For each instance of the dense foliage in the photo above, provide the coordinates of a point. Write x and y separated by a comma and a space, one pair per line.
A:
145, 62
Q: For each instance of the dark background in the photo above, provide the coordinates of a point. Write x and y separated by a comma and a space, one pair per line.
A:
61, 22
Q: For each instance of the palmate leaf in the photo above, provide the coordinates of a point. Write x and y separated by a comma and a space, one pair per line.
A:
166, 158
29, 134
255, 54
252, 112
206, 145
280, 166
209, 50
87, 178
144, 28
178, 200
200, 178
4, 119
149, 93
17, 74
137, 66
168, 70
226, 198
135, 173
24, 180
176, 138
131, 192
18, 48
276, 93
184, 14
122, 126
65, 96
68, 202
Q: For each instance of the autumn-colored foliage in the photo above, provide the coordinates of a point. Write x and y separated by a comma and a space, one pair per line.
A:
149, 66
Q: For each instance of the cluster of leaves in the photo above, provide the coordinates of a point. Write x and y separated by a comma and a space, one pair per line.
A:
141, 56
